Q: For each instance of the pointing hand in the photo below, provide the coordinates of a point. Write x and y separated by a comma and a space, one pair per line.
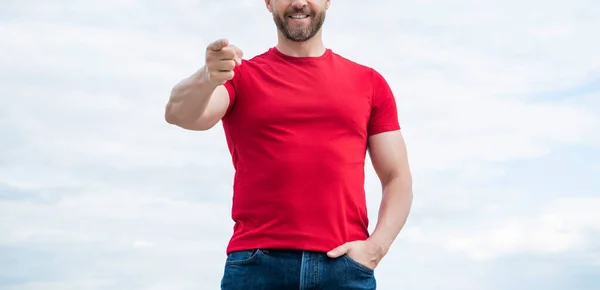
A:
221, 59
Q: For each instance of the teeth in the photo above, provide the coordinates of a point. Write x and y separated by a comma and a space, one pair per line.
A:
299, 16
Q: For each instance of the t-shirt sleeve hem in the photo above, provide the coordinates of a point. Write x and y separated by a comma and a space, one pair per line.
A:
384, 129
231, 93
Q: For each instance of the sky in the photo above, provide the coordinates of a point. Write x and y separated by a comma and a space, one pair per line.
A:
499, 101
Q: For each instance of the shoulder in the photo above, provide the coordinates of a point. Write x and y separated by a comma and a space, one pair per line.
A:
351, 64
248, 67
259, 59
254, 65
364, 72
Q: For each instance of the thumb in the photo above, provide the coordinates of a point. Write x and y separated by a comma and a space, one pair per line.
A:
239, 54
218, 45
339, 251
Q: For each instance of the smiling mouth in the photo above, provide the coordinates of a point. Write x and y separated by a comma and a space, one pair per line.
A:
298, 16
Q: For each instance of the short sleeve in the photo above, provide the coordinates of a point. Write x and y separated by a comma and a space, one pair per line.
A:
384, 112
233, 87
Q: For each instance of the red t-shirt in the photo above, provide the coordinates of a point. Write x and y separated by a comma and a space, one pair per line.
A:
297, 130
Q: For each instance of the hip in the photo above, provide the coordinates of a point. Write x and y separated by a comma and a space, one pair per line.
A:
294, 269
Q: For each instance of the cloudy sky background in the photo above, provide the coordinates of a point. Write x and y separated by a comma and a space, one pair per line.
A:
499, 101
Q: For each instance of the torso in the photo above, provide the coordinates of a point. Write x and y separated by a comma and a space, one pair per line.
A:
297, 132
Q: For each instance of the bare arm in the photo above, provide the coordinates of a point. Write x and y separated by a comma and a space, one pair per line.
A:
199, 101
389, 157
196, 104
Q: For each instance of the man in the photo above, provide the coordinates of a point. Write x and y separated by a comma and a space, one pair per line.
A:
299, 120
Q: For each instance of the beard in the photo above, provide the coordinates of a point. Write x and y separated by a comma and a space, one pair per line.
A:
299, 32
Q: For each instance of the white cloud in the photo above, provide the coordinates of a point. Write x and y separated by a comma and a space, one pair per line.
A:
142, 244
563, 226
90, 171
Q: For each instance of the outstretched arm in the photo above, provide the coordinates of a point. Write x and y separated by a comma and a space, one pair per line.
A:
199, 101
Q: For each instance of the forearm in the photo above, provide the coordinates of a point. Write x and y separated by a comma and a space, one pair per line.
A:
393, 211
189, 98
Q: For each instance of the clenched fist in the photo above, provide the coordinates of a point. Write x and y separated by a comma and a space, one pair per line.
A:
221, 59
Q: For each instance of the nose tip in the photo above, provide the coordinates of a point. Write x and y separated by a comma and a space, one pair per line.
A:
299, 3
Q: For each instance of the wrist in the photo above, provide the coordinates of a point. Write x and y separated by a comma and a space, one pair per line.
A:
201, 78
379, 244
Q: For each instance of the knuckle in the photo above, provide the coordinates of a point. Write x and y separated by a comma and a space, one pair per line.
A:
229, 64
227, 53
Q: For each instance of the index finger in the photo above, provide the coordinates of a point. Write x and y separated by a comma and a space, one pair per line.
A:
218, 45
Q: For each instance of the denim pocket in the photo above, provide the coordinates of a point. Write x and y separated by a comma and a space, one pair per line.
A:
242, 257
358, 265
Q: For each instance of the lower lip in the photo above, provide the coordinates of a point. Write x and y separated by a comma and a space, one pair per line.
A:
299, 19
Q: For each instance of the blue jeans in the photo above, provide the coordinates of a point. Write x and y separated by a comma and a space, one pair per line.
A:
298, 270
